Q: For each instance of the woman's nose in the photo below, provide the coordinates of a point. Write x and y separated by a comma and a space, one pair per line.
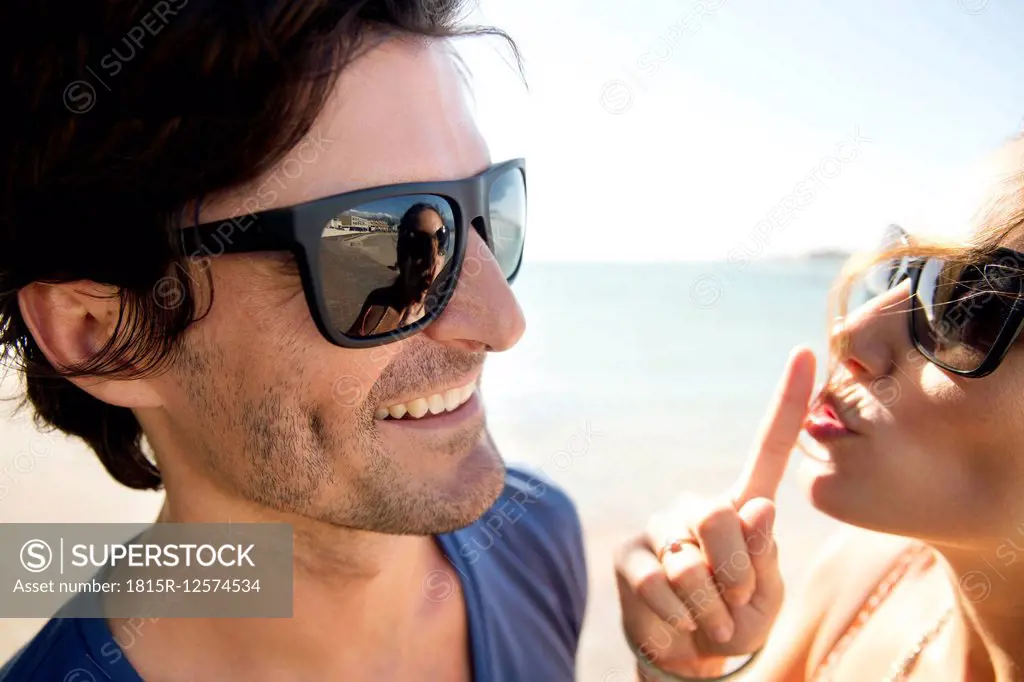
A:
869, 340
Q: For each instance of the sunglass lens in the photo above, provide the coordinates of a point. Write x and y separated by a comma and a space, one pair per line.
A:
889, 273
383, 264
508, 220
960, 310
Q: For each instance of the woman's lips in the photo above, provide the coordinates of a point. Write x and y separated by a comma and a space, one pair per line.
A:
824, 423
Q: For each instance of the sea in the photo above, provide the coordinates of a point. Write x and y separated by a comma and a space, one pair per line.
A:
680, 357
634, 341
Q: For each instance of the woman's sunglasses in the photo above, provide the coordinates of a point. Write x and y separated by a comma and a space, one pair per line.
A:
964, 317
382, 263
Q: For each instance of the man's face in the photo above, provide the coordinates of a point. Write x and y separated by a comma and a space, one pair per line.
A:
259, 406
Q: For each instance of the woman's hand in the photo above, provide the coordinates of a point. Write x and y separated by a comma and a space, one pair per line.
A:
716, 591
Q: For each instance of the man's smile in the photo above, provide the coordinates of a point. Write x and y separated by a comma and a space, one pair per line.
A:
438, 403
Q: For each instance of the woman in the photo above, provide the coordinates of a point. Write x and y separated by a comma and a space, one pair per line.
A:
916, 442
421, 251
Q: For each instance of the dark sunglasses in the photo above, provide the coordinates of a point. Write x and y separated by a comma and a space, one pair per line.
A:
382, 263
442, 236
964, 317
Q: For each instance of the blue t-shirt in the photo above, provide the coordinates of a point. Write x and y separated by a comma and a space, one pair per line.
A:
523, 575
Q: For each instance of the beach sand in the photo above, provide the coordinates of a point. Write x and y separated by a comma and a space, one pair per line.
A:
616, 482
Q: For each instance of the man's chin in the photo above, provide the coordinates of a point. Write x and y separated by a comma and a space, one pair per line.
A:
476, 485
428, 495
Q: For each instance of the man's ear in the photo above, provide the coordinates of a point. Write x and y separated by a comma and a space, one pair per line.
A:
70, 323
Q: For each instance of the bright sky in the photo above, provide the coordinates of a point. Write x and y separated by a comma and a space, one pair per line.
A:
672, 129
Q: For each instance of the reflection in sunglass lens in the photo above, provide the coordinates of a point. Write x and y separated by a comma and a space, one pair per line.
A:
960, 310
885, 275
442, 239
508, 220
382, 264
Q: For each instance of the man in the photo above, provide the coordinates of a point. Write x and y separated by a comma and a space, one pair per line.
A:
169, 173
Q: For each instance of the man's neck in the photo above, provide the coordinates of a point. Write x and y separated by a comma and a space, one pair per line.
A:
360, 605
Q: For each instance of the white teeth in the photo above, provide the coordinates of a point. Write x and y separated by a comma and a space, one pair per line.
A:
417, 408
452, 398
437, 403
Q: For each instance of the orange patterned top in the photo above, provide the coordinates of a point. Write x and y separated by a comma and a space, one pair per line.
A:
916, 555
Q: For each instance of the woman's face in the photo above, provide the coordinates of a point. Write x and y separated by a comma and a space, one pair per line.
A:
930, 454
431, 223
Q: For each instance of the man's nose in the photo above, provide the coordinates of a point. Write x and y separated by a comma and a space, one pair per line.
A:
483, 314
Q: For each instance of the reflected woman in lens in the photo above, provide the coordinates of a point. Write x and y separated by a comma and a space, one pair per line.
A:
915, 444
421, 248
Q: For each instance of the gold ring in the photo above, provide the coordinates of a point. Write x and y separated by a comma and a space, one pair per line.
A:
676, 545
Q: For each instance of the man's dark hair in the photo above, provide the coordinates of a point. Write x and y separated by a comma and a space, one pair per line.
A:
121, 114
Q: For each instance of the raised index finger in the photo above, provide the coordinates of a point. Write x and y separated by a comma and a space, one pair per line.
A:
778, 433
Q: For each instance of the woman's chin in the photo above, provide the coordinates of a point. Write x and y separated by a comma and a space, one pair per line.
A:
853, 481
823, 483
818, 479
816, 460
841, 495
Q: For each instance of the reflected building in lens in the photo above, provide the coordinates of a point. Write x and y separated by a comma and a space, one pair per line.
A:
356, 221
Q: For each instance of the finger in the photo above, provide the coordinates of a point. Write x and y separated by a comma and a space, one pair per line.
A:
643, 575
779, 431
720, 533
758, 520
687, 572
653, 640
